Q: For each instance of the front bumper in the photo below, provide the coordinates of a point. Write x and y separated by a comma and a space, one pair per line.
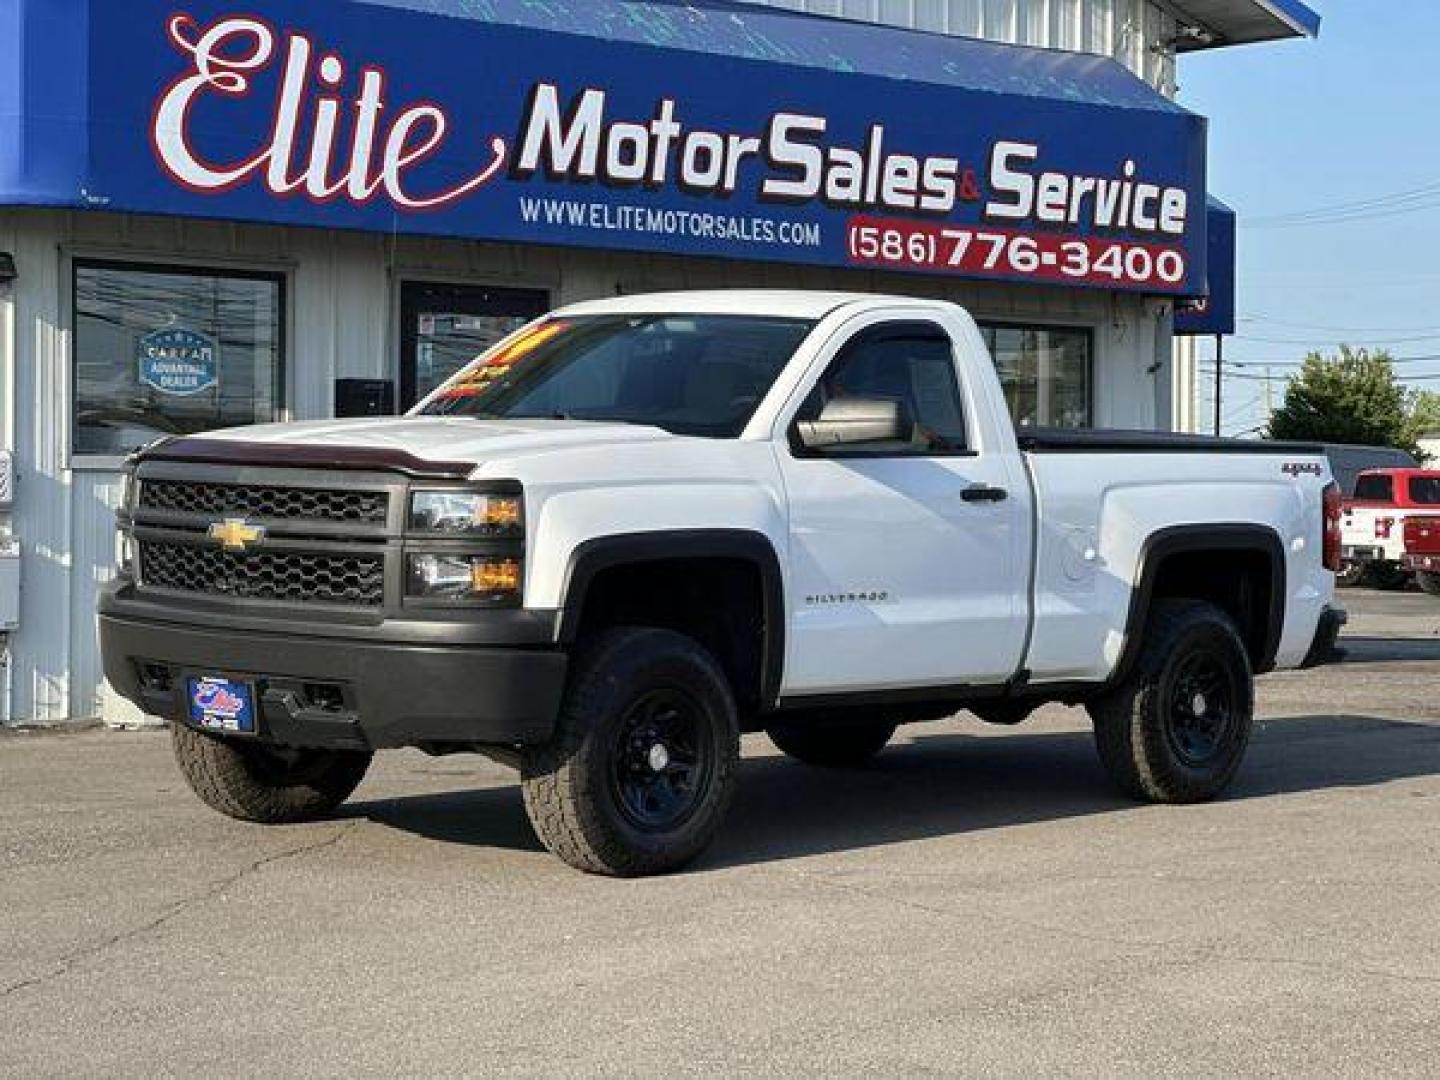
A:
1362, 553
344, 692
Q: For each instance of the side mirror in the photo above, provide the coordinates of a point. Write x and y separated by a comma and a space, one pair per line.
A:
855, 421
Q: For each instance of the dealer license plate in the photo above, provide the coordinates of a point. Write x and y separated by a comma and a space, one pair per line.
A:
222, 705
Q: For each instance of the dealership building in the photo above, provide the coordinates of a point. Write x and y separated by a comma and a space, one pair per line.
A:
217, 213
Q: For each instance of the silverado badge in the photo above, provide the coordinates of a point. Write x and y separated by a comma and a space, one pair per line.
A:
236, 534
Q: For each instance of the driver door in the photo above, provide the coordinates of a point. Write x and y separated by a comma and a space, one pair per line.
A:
908, 553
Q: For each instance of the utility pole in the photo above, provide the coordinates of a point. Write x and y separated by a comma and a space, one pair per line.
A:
1219, 379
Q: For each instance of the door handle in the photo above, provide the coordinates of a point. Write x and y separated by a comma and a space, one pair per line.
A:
984, 493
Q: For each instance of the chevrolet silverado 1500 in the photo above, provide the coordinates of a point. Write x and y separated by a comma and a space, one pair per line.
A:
640, 527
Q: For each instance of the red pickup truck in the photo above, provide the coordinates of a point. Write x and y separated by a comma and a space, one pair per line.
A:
1422, 551
1373, 524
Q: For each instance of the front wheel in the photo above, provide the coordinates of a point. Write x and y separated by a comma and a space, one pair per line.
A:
1352, 575
270, 785
1429, 581
1176, 729
641, 770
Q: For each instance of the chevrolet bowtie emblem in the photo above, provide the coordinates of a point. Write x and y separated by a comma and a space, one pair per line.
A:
236, 534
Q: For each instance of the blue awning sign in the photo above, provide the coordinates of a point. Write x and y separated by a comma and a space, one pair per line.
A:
1214, 312
178, 362
981, 160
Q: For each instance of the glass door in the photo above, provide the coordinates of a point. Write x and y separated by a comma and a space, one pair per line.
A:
444, 327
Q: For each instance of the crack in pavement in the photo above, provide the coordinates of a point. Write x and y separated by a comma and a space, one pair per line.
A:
70, 961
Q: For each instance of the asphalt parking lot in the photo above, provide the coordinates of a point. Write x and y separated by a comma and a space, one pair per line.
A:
977, 902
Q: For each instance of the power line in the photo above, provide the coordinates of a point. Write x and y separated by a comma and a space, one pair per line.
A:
1321, 340
1426, 359
1358, 204
1341, 329
1394, 204
1379, 215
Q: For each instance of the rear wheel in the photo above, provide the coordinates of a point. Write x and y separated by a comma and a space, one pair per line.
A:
1177, 728
1429, 581
642, 767
1389, 576
271, 785
839, 744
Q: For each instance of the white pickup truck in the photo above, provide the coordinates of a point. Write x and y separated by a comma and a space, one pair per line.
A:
640, 527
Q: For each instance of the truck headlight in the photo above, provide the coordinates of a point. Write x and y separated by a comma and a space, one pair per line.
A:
467, 513
462, 578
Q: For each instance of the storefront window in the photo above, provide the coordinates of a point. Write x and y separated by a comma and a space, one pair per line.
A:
170, 351
1045, 372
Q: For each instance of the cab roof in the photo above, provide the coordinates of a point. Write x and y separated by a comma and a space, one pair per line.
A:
774, 303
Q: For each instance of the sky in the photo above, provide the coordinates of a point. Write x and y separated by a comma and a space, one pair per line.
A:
1301, 126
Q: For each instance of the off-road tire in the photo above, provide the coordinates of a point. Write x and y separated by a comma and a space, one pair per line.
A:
1143, 737
837, 745
1389, 577
580, 788
1429, 581
249, 781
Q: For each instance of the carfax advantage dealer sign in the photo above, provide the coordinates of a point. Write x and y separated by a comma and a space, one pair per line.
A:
349, 115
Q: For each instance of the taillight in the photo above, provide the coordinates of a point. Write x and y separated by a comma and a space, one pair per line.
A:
1330, 509
1383, 527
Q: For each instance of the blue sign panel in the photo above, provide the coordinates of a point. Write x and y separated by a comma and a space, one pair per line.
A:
179, 362
723, 131
1214, 313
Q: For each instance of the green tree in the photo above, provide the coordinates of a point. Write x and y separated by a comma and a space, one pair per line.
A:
1352, 397
1425, 412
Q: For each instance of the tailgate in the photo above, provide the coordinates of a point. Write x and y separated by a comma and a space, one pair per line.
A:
1422, 534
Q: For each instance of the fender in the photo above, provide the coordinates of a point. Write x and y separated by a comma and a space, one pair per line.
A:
1183, 539
592, 557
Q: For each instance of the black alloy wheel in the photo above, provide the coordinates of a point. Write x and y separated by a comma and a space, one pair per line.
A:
1201, 717
660, 760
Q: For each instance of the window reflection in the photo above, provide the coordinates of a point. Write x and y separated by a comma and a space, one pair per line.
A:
162, 351
1045, 372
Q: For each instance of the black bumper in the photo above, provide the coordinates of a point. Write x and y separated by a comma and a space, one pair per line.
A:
344, 692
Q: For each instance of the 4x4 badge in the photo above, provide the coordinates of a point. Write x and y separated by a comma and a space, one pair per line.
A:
236, 534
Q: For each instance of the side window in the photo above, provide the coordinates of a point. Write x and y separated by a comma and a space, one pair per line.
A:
1425, 490
910, 365
1379, 488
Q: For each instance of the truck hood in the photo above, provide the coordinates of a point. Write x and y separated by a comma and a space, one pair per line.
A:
444, 438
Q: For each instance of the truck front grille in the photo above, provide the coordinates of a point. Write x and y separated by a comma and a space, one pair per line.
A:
282, 576
270, 503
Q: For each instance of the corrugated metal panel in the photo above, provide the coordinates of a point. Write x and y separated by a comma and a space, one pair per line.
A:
1134, 32
94, 497
42, 519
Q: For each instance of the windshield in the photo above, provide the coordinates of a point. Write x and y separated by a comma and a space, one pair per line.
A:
689, 374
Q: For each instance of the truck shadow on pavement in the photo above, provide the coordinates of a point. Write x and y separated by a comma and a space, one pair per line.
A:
1366, 650
948, 784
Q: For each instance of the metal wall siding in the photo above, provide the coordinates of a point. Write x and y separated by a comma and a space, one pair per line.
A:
1131, 31
43, 518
